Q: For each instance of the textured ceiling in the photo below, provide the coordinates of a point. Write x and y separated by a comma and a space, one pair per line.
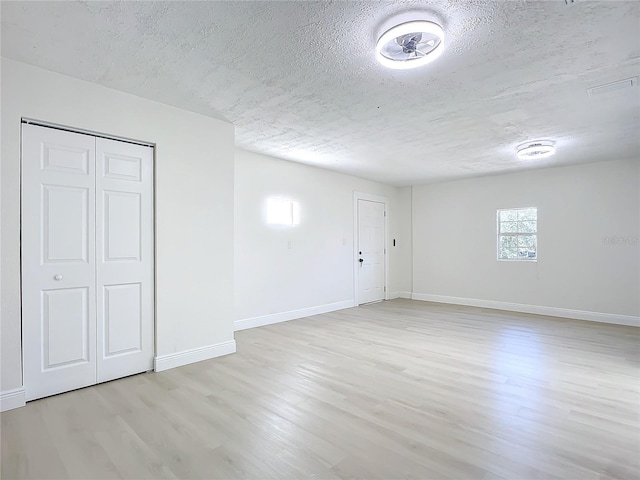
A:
299, 80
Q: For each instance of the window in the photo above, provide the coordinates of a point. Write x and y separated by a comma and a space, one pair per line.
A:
518, 234
281, 211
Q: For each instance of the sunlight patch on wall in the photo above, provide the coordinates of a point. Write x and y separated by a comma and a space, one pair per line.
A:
281, 211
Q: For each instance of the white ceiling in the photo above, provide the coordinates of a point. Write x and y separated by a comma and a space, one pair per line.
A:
299, 80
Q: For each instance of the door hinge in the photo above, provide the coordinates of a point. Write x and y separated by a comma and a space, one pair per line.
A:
385, 213
385, 251
385, 289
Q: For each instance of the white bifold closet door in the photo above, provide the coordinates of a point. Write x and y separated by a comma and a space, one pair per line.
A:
87, 260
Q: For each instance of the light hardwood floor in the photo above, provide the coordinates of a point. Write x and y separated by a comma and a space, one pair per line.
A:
399, 389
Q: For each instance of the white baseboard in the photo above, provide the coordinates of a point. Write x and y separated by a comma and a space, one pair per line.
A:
10, 399
393, 295
178, 359
290, 315
629, 320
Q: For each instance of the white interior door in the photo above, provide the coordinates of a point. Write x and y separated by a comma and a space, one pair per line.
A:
58, 267
371, 251
87, 260
124, 245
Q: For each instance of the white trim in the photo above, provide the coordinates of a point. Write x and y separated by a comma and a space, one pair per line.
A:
393, 295
290, 315
10, 399
178, 359
372, 198
628, 320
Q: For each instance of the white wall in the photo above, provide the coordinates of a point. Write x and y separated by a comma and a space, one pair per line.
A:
270, 278
579, 208
194, 205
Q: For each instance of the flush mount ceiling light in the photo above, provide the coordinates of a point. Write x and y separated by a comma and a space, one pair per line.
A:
535, 150
410, 45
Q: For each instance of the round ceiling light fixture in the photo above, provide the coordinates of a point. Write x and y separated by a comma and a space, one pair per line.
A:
410, 45
535, 150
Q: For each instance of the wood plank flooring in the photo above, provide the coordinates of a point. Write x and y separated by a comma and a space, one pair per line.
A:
399, 389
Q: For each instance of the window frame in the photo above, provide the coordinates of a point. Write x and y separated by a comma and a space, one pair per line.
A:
515, 234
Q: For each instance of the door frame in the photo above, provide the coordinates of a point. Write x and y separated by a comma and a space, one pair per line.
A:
57, 126
372, 198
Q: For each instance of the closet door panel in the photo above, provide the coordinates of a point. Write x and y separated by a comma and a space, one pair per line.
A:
58, 261
124, 242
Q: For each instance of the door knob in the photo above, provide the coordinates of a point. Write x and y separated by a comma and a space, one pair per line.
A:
57, 277
360, 260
